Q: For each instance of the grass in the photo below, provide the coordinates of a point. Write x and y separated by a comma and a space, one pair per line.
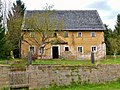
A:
63, 62
106, 86
109, 60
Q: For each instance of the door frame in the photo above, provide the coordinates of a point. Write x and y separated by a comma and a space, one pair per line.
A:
52, 49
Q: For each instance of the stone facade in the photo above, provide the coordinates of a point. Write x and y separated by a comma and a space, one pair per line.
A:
86, 42
84, 29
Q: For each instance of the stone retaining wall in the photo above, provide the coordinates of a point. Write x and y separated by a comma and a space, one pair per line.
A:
4, 78
42, 76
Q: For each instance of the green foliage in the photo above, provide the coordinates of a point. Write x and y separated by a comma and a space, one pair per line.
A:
5, 88
3, 42
2, 35
117, 27
107, 35
14, 24
117, 33
112, 38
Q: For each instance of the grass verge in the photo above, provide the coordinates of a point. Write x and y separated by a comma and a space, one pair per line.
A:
114, 85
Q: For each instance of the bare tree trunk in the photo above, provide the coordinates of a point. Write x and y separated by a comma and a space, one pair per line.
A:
114, 55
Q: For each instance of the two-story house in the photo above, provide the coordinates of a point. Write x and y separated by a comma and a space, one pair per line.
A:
83, 33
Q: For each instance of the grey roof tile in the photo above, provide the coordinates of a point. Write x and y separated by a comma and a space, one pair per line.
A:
76, 19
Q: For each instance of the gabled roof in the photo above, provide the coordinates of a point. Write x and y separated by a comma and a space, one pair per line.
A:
76, 19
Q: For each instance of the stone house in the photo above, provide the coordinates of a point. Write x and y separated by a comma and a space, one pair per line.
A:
83, 33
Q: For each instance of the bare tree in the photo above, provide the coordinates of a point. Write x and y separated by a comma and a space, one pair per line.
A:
43, 24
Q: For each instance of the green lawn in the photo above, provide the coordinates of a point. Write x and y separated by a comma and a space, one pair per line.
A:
62, 62
77, 62
106, 86
21, 62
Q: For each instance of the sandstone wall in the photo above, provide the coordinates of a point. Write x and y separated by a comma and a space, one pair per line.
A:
4, 78
43, 76
37, 76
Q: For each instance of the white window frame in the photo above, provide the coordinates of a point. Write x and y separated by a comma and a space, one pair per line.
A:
34, 48
92, 47
68, 48
78, 34
82, 49
92, 34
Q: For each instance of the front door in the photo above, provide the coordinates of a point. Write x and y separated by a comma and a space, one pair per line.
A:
55, 52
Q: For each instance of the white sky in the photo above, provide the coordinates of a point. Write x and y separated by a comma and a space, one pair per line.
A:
107, 9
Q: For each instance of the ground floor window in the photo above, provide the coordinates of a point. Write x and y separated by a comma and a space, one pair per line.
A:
31, 49
66, 48
41, 50
93, 48
80, 49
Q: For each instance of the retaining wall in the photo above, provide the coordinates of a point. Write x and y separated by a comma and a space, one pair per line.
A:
42, 76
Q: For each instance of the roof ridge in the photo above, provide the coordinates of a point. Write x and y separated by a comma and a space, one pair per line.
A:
62, 10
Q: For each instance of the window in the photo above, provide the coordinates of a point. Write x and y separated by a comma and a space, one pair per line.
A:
79, 34
66, 48
41, 50
32, 34
94, 49
31, 49
55, 34
65, 34
93, 34
80, 49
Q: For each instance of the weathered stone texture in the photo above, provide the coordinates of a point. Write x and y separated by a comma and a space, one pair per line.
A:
38, 76
4, 79
66, 75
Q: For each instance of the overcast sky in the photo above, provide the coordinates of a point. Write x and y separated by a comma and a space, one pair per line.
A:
107, 9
